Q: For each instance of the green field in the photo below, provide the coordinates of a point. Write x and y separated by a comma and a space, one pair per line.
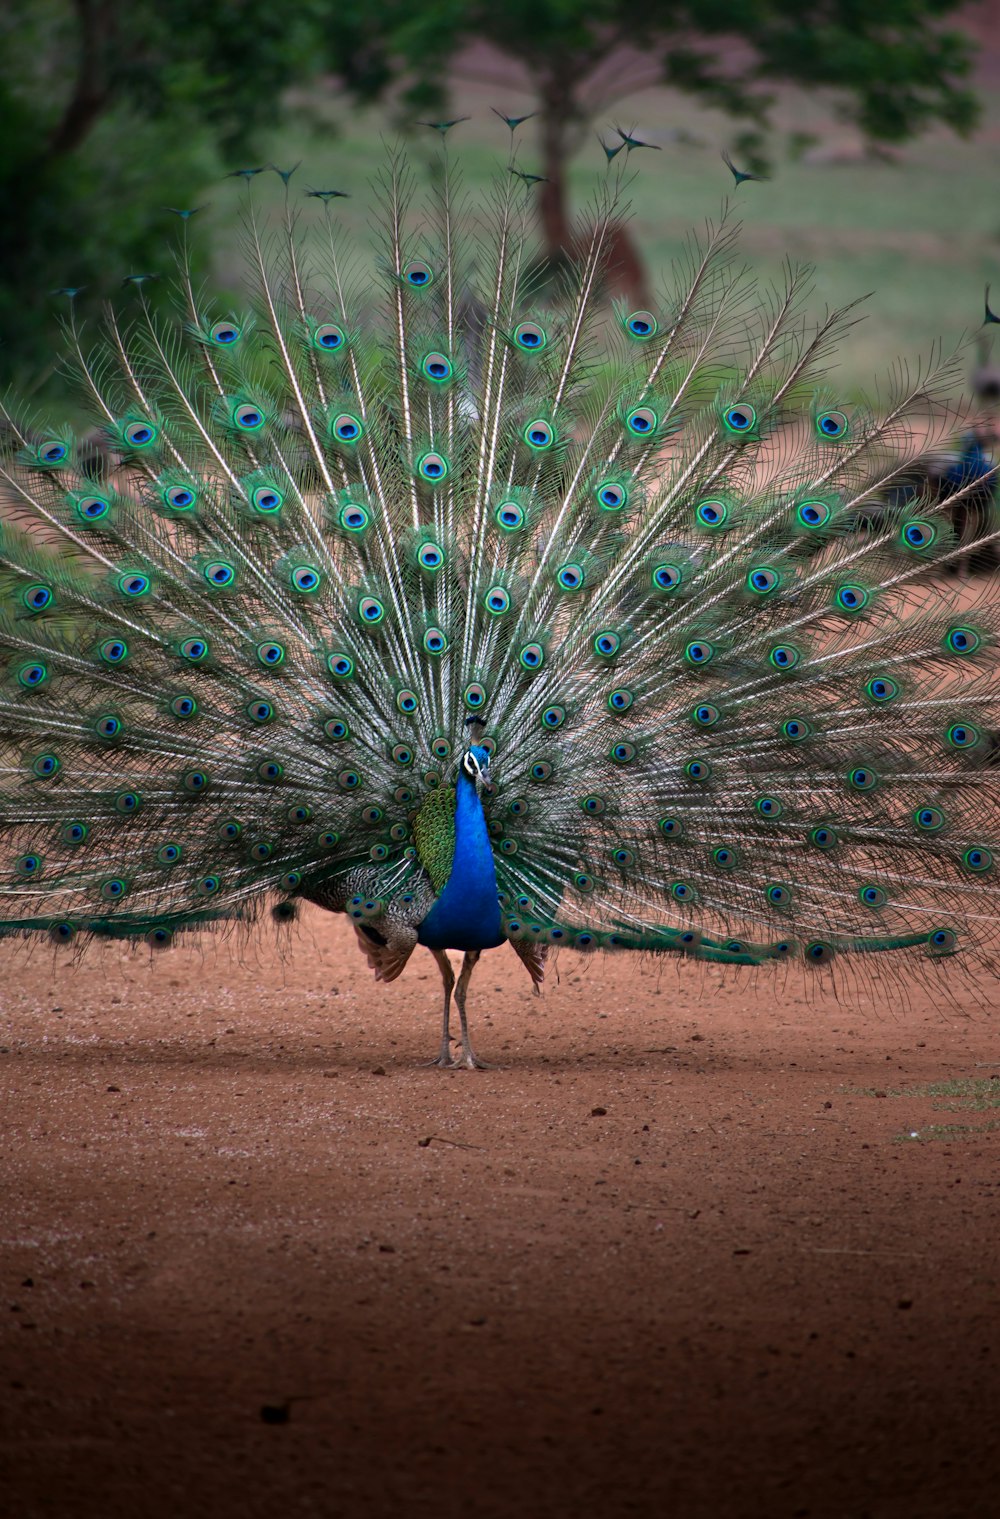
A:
920, 233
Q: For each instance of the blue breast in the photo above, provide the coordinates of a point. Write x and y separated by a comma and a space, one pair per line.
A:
467, 914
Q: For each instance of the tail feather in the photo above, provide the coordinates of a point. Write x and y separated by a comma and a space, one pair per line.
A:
689, 593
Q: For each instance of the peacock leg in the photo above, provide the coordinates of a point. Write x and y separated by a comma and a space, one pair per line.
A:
469, 1057
448, 977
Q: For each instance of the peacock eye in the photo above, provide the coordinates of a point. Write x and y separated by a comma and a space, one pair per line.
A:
92, 508
474, 695
402, 754
929, 819
813, 514
497, 600
831, 424
667, 577
259, 711
370, 610
881, 688
712, 513
407, 701
32, 675
340, 665
52, 451
430, 556
509, 516
539, 435
642, 421
219, 574
271, 654
432, 467
763, 579
139, 434
329, 337
852, 598
530, 337
962, 640
346, 428
179, 498
918, 535
183, 706
225, 334
963, 735
418, 274
532, 656
37, 597
354, 518
134, 583
248, 417
611, 496
336, 729
267, 500
113, 651
45, 766
739, 419
706, 715
607, 644
435, 642
553, 717
570, 577
641, 324
108, 726
305, 578
440, 748
784, 656
437, 367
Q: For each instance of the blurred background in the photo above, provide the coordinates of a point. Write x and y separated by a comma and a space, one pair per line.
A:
878, 126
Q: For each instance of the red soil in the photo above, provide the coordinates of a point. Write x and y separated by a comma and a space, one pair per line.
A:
672, 1259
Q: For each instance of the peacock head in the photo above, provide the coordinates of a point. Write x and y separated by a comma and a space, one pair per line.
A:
476, 767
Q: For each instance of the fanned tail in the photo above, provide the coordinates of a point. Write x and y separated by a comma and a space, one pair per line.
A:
693, 598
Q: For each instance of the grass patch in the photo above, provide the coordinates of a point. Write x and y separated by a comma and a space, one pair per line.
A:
946, 1132
977, 1093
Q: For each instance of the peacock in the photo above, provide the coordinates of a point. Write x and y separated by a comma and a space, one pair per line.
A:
444, 592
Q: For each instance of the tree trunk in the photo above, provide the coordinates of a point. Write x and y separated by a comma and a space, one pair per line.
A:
625, 274
556, 113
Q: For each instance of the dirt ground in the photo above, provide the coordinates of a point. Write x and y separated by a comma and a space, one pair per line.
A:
681, 1255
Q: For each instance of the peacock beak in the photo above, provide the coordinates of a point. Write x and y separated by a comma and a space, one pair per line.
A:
485, 784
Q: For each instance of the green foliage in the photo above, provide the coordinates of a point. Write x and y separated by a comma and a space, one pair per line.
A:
110, 110
891, 68
895, 67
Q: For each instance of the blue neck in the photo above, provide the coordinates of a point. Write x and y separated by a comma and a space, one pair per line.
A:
466, 915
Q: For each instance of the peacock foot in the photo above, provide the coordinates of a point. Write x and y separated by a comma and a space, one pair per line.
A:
468, 1060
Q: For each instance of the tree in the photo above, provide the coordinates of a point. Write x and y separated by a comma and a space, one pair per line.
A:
110, 109
891, 67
